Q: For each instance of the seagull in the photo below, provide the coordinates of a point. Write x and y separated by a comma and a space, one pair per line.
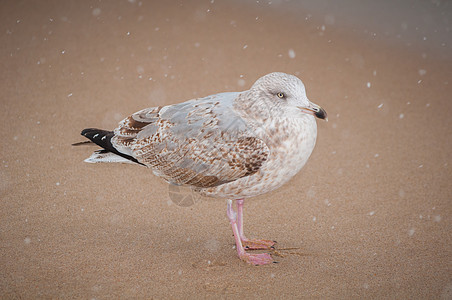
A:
232, 145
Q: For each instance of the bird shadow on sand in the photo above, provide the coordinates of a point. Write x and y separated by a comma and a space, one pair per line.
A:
184, 196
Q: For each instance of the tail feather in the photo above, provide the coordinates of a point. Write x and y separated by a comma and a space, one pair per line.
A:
103, 138
106, 156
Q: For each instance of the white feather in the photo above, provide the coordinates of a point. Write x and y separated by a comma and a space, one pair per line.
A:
107, 157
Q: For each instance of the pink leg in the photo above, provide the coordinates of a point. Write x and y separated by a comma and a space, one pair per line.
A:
252, 244
240, 218
255, 259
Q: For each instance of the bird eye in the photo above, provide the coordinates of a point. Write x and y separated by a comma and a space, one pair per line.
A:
280, 95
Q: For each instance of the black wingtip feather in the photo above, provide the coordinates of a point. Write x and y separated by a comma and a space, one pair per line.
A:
103, 138
99, 137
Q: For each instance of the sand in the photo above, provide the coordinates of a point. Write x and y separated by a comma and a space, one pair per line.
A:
368, 217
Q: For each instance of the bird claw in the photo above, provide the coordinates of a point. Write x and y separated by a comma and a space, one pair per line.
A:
257, 259
258, 244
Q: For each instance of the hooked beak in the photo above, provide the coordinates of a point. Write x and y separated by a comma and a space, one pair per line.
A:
315, 110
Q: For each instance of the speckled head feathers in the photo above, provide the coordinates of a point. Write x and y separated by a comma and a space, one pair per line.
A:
281, 86
275, 93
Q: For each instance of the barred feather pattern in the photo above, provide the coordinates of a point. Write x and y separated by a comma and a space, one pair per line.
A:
202, 155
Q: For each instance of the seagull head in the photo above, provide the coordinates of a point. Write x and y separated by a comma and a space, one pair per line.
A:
288, 92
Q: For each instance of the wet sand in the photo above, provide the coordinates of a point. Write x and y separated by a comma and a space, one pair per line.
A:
368, 217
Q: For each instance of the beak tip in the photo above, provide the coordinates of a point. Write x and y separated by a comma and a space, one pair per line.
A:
321, 114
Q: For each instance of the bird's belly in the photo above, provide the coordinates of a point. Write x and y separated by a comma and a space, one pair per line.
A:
289, 153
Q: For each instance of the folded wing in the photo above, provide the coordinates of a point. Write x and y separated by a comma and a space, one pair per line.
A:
201, 142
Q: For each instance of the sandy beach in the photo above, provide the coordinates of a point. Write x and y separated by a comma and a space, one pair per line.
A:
368, 217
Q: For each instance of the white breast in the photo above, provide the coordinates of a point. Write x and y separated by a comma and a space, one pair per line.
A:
291, 142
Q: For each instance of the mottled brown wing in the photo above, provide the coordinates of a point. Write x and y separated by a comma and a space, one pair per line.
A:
202, 142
